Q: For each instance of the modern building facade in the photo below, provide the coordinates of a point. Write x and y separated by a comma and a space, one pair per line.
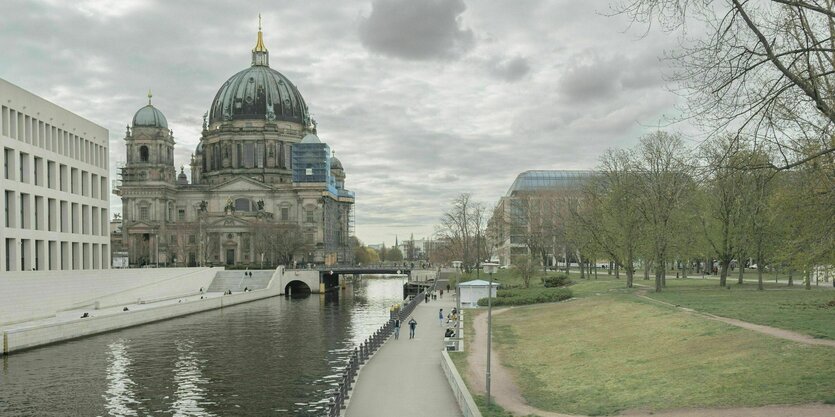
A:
264, 189
529, 217
55, 186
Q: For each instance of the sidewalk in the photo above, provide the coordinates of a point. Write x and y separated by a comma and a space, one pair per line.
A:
404, 378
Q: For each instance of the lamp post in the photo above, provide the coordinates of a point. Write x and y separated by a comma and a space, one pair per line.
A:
490, 268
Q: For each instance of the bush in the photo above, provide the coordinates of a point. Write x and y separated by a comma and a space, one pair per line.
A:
560, 280
516, 297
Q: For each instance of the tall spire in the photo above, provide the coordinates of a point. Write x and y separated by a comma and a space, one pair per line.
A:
149, 96
260, 56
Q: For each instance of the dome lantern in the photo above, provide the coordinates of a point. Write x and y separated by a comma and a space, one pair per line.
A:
260, 55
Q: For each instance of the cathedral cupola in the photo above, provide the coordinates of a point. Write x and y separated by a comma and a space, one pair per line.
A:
149, 147
149, 116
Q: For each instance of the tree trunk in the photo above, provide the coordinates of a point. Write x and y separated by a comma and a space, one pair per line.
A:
646, 270
617, 271
723, 273
791, 277
580, 264
658, 274
808, 278
741, 271
629, 277
609, 269
663, 274
684, 267
760, 267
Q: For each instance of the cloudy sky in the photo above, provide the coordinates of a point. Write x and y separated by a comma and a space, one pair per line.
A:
420, 99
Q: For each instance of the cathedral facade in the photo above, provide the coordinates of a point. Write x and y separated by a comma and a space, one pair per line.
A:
264, 189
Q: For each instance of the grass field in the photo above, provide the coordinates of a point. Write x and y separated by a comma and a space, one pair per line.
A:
603, 354
804, 311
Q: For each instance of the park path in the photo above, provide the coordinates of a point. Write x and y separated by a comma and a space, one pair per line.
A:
506, 393
404, 378
768, 330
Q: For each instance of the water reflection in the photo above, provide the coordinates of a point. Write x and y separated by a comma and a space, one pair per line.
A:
119, 396
190, 396
278, 356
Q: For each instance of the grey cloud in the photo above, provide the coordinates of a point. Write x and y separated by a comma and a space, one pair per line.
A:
416, 30
512, 69
602, 77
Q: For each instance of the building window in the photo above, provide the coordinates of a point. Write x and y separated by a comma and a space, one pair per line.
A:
308, 170
285, 213
144, 213
309, 216
143, 153
192, 239
181, 214
249, 155
242, 204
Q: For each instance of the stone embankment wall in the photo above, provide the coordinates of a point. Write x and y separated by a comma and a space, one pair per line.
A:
31, 295
32, 334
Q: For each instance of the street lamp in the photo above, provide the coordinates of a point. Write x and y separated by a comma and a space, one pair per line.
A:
490, 268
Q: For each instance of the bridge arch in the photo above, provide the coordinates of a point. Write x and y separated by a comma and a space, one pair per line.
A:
297, 287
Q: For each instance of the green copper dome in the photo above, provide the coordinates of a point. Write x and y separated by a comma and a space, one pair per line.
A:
149, 116
259, 93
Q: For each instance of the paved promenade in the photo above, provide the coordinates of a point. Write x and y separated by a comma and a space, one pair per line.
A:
404, 378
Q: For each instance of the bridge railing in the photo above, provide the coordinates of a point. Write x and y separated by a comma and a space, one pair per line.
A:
365, 350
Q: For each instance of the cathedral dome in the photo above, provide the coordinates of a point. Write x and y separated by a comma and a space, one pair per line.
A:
149, 116
259, 93
335, 163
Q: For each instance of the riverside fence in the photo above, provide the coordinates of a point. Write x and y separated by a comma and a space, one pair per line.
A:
366, 349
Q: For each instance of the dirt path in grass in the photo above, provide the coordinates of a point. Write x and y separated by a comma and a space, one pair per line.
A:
771, 331
505, 392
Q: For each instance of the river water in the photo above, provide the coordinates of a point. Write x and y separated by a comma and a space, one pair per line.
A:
278, 356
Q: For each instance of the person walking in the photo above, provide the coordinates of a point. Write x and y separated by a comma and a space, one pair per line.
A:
412, 326
396, 329
441, 317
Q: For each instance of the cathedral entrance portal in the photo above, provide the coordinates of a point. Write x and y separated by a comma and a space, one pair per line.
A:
230, 256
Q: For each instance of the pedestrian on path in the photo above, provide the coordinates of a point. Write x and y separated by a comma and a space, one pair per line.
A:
441, 317
396, 329
442, 293
412, 325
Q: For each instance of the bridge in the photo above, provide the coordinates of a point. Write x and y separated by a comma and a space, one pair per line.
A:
324, 279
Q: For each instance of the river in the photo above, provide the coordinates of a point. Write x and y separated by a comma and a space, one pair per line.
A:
278, 356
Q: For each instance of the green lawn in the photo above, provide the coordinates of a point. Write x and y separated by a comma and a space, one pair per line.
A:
792, 308
604, 354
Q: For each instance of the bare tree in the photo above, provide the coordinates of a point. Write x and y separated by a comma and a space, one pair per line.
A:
607, 213
724, 200
766, 70
662, 171
462, 229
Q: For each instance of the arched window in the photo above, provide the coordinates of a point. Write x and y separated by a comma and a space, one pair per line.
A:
143, 153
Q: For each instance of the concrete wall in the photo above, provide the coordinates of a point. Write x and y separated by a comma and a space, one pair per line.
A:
28, 337
423, 275
459, 389
37, 294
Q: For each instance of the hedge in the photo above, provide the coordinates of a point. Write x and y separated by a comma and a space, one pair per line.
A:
516, 297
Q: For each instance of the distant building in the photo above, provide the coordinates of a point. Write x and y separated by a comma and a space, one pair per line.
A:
264, 189
531, 214
55, 186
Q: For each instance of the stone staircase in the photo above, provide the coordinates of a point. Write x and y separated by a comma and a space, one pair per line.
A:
236, 281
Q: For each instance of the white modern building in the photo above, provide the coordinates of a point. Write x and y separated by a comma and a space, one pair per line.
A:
55, 186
